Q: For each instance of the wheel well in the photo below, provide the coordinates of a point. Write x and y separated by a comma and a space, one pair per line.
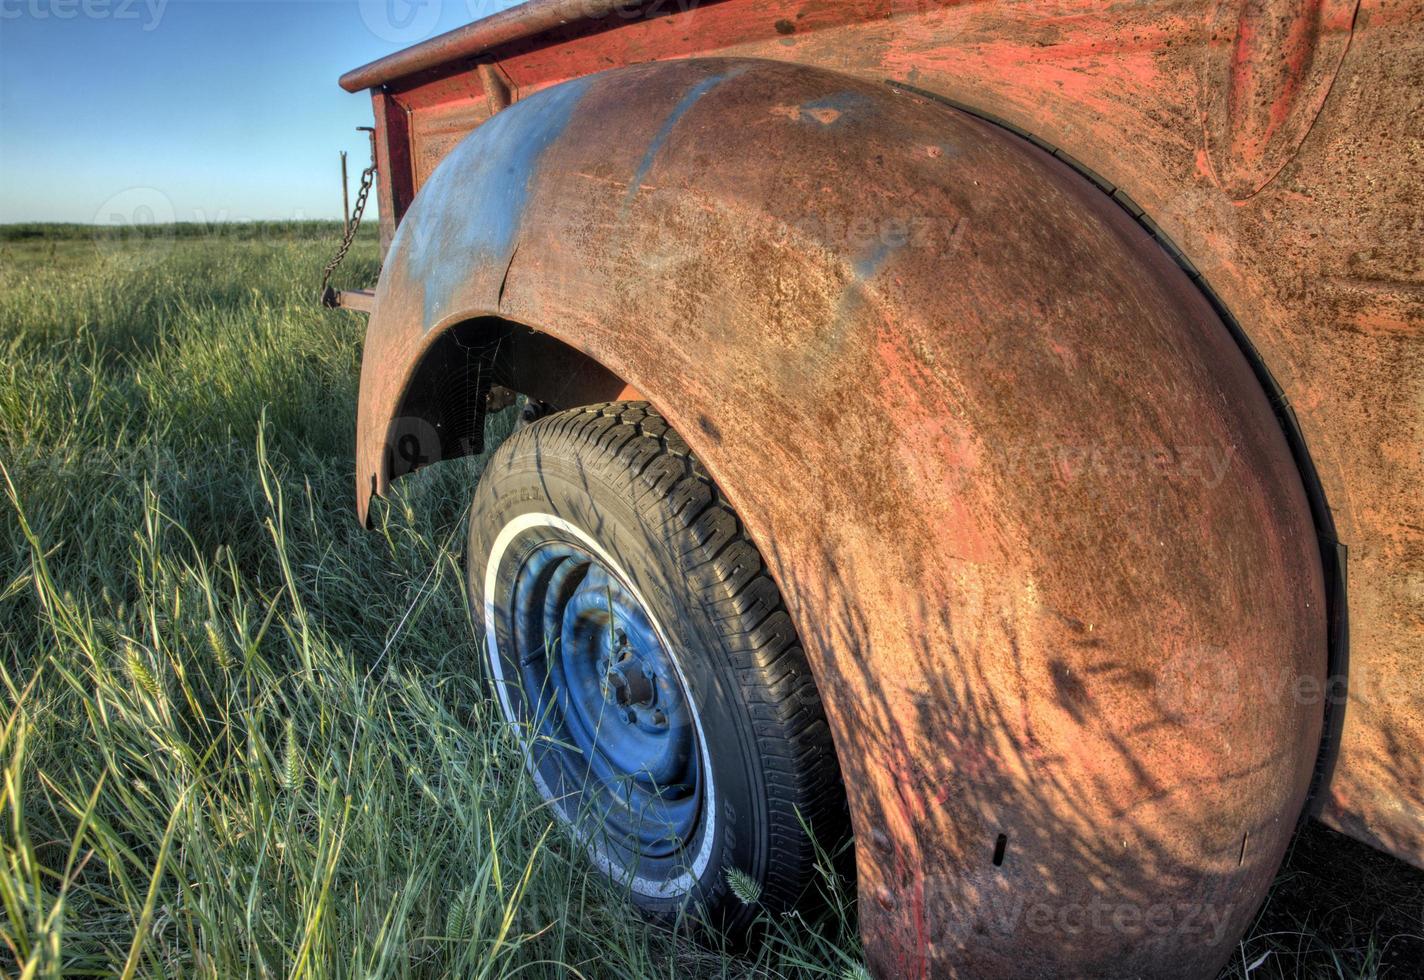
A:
482, 359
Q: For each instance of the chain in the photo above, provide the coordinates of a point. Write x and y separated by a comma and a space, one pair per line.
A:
368, 176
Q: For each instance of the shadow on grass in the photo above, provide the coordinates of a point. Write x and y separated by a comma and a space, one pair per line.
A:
1338, 908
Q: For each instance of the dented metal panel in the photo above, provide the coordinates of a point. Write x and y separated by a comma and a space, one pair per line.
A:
1036, 521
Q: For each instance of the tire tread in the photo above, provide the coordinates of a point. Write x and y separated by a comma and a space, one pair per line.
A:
722, 565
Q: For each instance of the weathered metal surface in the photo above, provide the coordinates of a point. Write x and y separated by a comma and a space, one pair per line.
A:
496, 87
508, 26
1276, 143
395, 172
358, 300
1270, 83
1035, 520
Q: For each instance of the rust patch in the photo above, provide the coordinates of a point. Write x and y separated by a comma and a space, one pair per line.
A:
1269, 68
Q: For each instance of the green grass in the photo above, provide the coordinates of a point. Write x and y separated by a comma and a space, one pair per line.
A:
242, 737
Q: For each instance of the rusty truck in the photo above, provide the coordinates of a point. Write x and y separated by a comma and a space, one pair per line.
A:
989, 428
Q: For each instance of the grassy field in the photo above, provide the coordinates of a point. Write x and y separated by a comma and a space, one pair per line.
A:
242, 737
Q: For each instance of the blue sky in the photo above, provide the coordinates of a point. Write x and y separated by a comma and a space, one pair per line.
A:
191, 110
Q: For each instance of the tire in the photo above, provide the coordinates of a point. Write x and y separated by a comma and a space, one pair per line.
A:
636, 641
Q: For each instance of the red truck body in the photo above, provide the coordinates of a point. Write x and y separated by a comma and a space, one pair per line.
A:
1261, 159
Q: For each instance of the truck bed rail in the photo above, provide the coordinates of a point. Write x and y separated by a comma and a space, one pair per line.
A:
514, 24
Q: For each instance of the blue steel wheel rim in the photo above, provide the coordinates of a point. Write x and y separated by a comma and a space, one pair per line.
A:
615, 731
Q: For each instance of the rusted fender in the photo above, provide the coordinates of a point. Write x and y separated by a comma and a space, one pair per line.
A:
1039, 529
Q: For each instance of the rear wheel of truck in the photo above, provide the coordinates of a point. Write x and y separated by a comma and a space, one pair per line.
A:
641, 650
